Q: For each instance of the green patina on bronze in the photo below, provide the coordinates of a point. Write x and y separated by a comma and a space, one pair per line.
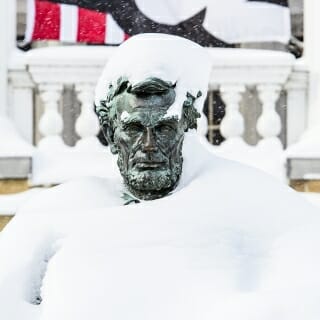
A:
134, 121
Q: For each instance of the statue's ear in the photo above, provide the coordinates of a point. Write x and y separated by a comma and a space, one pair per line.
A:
102, 112
189, 112
108, 133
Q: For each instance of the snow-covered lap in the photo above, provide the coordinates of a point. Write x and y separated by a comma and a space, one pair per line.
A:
127, 282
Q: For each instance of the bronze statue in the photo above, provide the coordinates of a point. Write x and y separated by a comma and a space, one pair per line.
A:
148, 142
146, 99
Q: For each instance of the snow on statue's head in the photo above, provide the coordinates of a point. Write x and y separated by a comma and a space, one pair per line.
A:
150, 93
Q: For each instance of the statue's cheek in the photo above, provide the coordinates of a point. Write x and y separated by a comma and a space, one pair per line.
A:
127, 142
175, 142
132, 140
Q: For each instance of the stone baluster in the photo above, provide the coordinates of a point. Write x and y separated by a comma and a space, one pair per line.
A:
232, 125
87, 124
51, 122
269, 123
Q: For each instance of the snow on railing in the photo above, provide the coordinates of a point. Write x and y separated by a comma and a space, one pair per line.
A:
269, 72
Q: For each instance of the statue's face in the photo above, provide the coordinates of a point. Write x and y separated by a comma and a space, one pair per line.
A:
149, 144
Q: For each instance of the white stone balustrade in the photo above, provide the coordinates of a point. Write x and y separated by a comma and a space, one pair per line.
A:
78, 66
233, 71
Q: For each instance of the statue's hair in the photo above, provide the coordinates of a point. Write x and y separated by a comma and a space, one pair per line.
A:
146, 87
151, 86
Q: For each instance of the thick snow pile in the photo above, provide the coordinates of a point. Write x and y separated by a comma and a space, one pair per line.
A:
268, 155
313, 197
229, 243
57, 165
11, 144
10, 203
306, 147
163, 56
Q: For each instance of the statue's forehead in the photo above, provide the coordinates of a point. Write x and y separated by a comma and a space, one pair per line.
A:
148, 111
146, 103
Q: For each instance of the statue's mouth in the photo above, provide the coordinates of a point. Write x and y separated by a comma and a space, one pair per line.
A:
149, 165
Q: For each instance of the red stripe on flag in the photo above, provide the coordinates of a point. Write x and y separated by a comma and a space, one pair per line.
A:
126, 36
91, 26
47, 21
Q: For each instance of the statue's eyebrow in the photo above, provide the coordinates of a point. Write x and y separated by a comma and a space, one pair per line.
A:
130, 119
169, 119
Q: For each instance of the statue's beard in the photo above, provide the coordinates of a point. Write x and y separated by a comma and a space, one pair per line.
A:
153, 183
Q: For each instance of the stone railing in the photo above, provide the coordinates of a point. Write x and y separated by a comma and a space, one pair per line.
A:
46, 71
49, 70
269, 72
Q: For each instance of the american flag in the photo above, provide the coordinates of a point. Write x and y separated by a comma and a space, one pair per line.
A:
69, 23
211, 23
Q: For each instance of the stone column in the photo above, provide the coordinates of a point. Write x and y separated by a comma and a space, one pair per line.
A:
7, 41
297, 104
312, 59
22, 102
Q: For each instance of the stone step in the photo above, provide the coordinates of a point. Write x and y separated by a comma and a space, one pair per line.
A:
305, 185
4, 221
15, 168
11, 186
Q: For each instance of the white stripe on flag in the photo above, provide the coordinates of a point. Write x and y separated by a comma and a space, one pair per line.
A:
248, 21
69, 23
114, 34
31, 19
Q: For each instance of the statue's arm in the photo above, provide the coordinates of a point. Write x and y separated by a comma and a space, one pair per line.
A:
24, 252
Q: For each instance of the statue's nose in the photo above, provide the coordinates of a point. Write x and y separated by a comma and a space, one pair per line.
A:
149, 144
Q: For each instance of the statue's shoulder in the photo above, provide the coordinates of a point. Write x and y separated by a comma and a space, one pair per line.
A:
76, 195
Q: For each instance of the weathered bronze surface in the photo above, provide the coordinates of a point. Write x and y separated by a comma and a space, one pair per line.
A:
148, 142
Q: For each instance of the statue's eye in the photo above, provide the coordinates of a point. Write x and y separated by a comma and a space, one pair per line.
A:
134, 128
165, 129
